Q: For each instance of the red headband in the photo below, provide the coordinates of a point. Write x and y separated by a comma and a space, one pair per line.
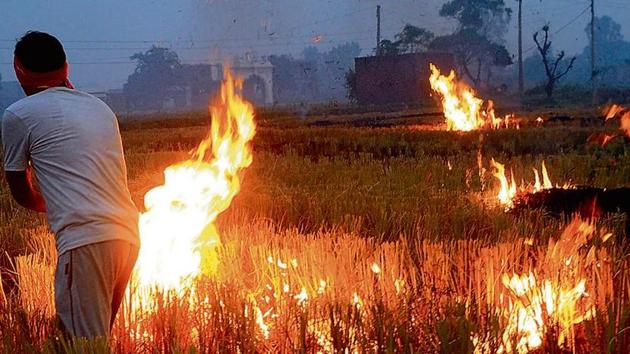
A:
33, 82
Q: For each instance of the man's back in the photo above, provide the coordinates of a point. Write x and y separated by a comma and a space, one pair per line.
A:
73, 141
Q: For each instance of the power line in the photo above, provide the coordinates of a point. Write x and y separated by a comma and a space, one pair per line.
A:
150, 41
223, 42
573, 21
119, 62
229, 42
563, 27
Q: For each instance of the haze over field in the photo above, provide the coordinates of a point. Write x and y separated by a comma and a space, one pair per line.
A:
101, 36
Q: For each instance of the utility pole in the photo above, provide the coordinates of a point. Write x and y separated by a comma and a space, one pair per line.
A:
521, 75
378, 29
593, 63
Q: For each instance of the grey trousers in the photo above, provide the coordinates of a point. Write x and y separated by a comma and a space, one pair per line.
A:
90, 283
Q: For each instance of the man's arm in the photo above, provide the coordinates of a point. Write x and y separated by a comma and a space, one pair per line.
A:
15, 143
23, 191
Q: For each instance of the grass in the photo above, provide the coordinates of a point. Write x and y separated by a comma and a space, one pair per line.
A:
346, 238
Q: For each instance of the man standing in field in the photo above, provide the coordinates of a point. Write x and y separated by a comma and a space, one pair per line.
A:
66, 144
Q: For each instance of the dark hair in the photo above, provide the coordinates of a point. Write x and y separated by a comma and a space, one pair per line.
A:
40, 52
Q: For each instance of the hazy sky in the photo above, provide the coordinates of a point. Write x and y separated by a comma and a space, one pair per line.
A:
100, 35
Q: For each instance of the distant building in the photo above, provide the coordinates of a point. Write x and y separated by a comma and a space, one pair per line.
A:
188, 88
257, 73
195, 85
10, 91
397, 78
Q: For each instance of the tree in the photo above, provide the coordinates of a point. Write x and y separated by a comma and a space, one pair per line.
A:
330, 69
153, 77
389, 48
612, 53
488, 18
607, 30
319, 76
334, 66
351, 85
413, 39
473, 53
311, 54
552, 66
611, 50
521, 77
477, 44
294, 80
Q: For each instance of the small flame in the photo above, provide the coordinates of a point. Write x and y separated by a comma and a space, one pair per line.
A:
613, 110
462, 109
624, 117
260, 321
302, 297
546, 181
625, 123
601, 139
508, 188
606, 237
375, 268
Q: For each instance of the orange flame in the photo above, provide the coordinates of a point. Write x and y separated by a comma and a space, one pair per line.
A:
553, 297
508, 188
177, 230
624, 117
625, 123
613, 111
531, 305
462, 109
601, 139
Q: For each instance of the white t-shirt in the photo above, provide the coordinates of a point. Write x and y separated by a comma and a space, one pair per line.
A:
72, 140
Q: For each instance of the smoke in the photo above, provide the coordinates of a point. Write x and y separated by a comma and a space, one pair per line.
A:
204, 30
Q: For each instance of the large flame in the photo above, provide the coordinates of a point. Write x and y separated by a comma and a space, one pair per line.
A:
462, 109
508, 189
534, 307
177, 230
552, 297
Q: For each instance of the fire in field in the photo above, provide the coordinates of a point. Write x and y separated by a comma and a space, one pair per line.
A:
462, 109
258, 239
178, 228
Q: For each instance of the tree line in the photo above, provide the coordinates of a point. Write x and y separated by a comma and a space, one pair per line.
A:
477, 44
478, 47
